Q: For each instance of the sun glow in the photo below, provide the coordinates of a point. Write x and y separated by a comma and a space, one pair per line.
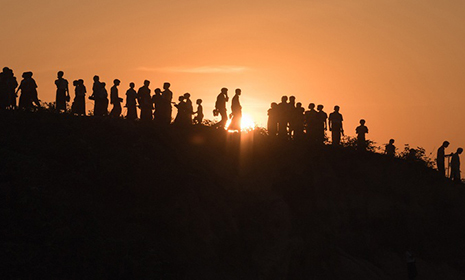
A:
247, 123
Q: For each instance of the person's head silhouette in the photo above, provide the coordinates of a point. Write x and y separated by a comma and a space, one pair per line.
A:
116, 82
311, 106
96, 78
459, 151
60, 74
362, 122
75, 82
298, 105
284, 99
146, 83
238, 91
132, 85
181, 98
224, 90
336, 108
445, 144
166, 85
187, 95
81, 82
199, 101
273, 105
158, 91
391, 141
320, 107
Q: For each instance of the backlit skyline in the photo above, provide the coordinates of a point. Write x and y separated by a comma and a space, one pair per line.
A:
397, 64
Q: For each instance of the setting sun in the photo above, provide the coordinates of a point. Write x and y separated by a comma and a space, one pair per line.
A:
247, 123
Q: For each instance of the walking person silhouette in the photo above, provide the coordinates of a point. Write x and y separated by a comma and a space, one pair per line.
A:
236, 112
220, 107
390, 149
79, 103
198, 119
29, 95
115, 100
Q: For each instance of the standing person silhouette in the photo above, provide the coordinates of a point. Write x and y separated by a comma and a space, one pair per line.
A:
390, 148
103, 100
145, 102
179, 120
335, 126
311, 123
166, 112
62, 94
272, 124
298, 121
322, 124
220, 107
157, 100
291, 116
28, 88
198, 119
236, 112
115, 99
441, 155
131, 102
9, 85
361, 130
282, 113
455, 166
79, 103
188, 109
96, 89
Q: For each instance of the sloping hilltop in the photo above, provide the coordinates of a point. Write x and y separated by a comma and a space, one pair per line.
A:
90, 198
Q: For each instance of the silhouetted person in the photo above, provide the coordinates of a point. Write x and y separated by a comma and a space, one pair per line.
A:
283, 113
3, 93
455, 166
180, 119
158, 103
98, 95
335, 126
236, 112
291, 115
198, 119
145, 102
220, 106
115, 99
131, 102
166, 110
390, 148
273, 119
79, 102
28, 88
441, 155
361, 130
298, 121
189, 109
322, 124
311, 123
8, 85
62, 94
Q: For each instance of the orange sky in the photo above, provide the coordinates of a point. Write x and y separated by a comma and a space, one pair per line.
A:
397, 64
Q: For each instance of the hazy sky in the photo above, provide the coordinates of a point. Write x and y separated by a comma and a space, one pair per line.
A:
398, 64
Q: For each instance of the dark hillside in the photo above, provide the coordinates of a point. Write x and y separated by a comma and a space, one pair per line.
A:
89, 198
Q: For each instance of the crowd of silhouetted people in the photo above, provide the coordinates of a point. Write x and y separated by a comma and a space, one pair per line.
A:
287, 119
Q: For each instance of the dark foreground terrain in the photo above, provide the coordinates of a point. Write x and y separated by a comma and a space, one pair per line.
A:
85, 198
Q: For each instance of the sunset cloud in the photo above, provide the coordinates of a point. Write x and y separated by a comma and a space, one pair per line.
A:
198, 70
